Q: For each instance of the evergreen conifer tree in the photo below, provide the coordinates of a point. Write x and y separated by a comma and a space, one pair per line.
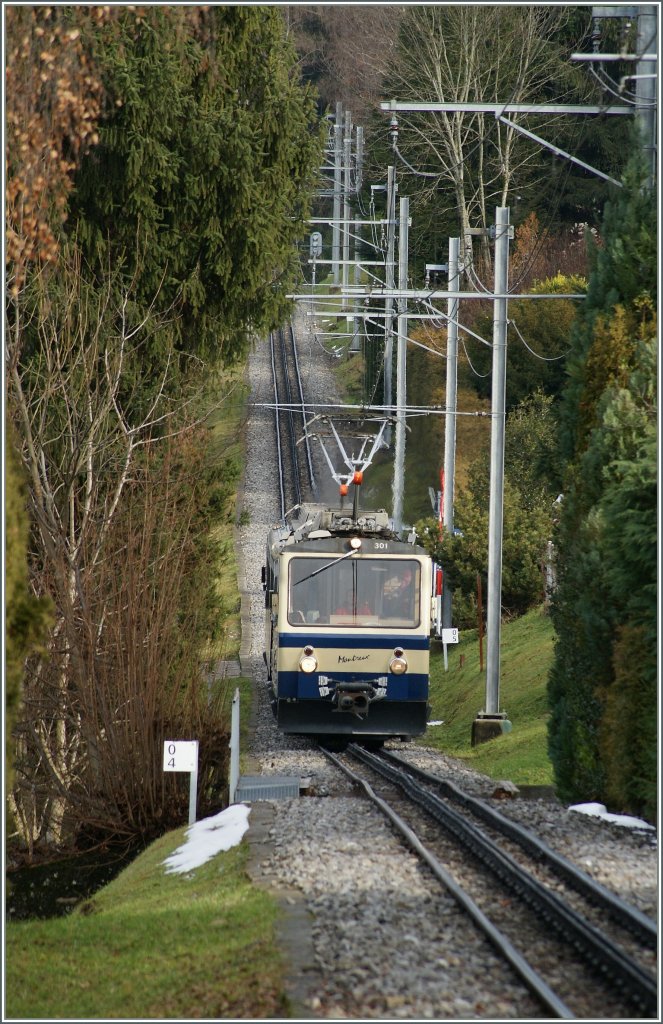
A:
201, 181
606, 539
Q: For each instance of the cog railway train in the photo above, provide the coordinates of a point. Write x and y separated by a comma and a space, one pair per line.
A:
347, 627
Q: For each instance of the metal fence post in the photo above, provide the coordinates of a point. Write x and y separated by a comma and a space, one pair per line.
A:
234, 748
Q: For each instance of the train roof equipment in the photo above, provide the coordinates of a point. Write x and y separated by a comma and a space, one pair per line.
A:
364, 435
323, 429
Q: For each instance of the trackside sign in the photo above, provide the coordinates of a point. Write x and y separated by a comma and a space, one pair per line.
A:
180, 756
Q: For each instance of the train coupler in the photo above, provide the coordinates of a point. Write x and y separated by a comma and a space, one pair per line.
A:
355, 697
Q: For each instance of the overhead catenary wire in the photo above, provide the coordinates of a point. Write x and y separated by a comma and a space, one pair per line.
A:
545, 359
390, 410
557, 198
470, 364
461, 327
439, 315
626, 94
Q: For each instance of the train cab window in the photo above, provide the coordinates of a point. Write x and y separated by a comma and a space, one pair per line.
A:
399, 594
304, 594
364, 593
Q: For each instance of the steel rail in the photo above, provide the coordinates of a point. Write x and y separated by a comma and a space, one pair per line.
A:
290, 409
307, 440
277, 427
628, 916
637, 984
533, 981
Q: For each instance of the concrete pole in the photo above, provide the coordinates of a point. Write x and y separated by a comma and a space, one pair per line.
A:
347, 161
490, 722
450, 417
389, 283
359, 144
401, 366
338, 162
359, 151
645, 85
496, 510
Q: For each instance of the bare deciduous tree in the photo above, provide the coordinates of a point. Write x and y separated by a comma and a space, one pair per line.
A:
467, 53
102, 506
348, 49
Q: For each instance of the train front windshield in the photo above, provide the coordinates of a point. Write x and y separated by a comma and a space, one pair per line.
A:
366, 592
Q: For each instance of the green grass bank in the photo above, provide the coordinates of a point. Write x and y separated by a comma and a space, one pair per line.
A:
458, 694
154, 945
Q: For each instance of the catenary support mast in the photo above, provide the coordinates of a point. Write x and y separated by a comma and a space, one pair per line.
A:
491, 721
450, 418
401, 364
338, 161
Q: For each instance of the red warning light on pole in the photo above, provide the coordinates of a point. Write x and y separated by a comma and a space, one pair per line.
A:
343, 489
357, 477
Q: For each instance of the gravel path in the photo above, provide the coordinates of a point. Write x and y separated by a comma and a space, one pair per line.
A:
384, 943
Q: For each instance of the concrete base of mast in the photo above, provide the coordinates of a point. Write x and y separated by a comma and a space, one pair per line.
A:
488, 727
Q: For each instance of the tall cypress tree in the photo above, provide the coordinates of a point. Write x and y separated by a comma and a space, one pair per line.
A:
605, 593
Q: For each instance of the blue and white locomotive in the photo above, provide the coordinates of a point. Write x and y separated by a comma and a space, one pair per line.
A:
348, 623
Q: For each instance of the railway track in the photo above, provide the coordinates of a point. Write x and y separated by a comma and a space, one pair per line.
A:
536, 908
297, 481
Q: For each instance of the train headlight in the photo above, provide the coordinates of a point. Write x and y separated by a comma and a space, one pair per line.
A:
308, 662
355, 543
398, 664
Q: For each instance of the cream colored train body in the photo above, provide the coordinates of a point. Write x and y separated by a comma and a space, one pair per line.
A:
347, 627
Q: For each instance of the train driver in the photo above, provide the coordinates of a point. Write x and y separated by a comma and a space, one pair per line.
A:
398, 597
347, 606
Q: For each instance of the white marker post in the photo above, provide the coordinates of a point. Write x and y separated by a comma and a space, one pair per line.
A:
449, 636
182, 756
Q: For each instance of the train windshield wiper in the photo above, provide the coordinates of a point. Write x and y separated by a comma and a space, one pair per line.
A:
327, 566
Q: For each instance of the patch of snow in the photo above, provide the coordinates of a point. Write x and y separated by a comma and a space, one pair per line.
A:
600, 811
208, 837
436, 723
